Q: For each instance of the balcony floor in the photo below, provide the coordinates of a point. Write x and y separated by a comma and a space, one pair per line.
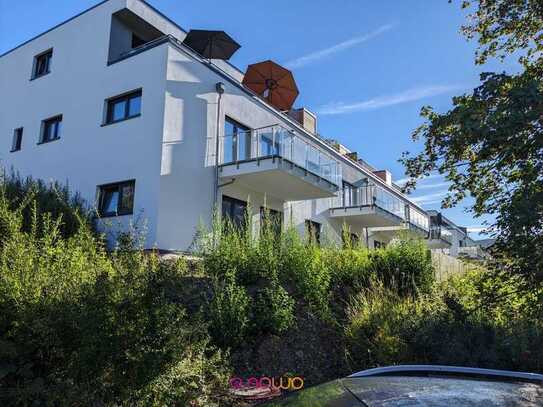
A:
279, 178
366, 216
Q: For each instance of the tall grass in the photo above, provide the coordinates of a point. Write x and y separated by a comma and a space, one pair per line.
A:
79, 325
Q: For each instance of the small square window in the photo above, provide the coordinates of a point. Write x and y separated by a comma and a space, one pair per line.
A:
51, 129
116, 199
42, 64
17, 139
123, 107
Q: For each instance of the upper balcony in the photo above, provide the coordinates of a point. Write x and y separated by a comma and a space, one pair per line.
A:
276, 161
373, 206
440, 237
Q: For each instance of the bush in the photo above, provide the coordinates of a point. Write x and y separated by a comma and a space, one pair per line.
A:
452, 325
229, 313
81, 326
274, 310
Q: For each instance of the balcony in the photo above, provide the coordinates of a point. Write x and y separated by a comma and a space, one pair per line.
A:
369, 206
417, 220
472, 252
278, 162
440, 238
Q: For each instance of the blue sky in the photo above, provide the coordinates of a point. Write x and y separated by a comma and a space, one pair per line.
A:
365, 67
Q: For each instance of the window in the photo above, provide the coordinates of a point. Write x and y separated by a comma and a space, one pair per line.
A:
17, 139
378, 245
235, 210
271, 218
116, 199
42, 64
51, 129
237, 141
313, 230
123, 107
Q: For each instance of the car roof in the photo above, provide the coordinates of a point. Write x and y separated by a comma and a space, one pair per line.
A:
448, 370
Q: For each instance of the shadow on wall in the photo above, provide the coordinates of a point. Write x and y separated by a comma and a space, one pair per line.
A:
187, 168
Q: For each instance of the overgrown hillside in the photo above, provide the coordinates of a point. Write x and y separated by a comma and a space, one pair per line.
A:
80, 325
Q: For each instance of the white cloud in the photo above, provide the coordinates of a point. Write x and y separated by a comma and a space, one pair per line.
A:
379, 102
323, 53
432, 186
429, 198
431, 176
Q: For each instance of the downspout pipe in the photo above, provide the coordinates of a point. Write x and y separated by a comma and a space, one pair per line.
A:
220, 89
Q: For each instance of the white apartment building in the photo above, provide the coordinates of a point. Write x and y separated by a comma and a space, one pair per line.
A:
114, 104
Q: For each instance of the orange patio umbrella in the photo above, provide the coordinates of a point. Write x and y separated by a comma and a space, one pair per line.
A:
273, 83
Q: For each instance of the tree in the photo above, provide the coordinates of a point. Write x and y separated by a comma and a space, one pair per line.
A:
490, 144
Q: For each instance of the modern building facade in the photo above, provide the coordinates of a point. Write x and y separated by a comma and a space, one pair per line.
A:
114, 104
452, 239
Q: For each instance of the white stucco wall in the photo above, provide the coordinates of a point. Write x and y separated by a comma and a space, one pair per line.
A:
87, 154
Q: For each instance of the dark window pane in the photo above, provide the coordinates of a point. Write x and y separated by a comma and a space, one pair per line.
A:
235, 210
134, 106
17, 139
127, 201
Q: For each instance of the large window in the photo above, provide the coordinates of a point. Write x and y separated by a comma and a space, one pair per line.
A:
116, 199
237, 141
42, 64
313, 230
123, 107
235, 210
17, 139
51, 129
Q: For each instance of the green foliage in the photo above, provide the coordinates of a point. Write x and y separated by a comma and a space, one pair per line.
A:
460, 323
505, 27
79, 325
274, 310
489, 144
229, 313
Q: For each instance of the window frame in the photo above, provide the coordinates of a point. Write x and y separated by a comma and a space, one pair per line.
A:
17, 140
44, 125
45, 54
119, 186
239, 129
126, 98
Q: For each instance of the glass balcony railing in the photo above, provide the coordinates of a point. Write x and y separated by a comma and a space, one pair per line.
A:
277, 141
370, 195
417, 218
437, 232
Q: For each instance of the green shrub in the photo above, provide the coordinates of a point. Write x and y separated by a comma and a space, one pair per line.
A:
452, 325
405, 265
274, 310
79, 325
229, 313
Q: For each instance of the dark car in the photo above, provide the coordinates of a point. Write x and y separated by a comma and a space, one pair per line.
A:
423, 386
